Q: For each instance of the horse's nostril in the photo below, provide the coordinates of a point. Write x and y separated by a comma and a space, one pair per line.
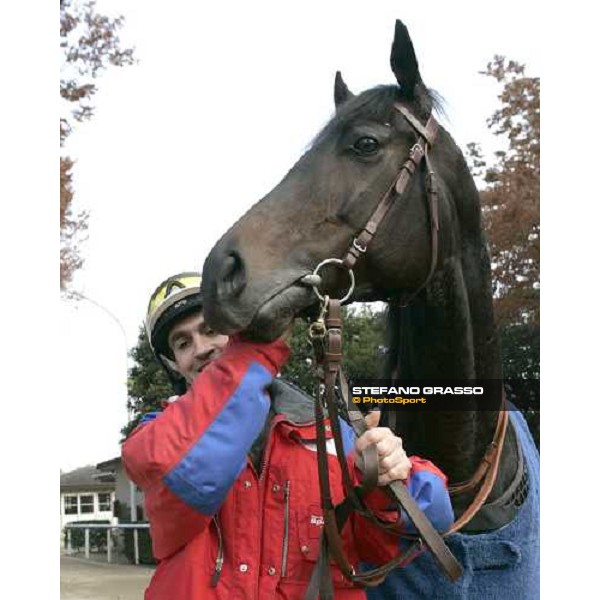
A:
233, 276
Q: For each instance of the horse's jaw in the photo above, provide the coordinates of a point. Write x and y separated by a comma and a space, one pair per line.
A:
275, 315
263, 319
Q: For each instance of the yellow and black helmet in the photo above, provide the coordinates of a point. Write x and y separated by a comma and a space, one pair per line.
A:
174, 298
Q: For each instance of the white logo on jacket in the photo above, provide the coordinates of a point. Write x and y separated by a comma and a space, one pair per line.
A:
317, 520
329, 444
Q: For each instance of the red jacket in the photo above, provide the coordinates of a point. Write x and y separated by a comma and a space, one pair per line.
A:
220, 529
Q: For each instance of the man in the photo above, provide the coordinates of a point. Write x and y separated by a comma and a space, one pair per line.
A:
229, 469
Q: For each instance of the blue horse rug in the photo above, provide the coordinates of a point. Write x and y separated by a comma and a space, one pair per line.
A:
501, 565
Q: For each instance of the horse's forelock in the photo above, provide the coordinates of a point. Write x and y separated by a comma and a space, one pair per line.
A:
377, 104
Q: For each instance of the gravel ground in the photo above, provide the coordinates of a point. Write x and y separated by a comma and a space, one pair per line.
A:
82, 579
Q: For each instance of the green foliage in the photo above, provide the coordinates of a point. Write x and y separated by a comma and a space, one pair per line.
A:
521, 351
144, 546
147, 384
97, 536
521, 364
363, 348
364, 343
144, 540
299, 369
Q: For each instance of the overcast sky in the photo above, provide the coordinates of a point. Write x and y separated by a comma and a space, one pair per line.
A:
224, 99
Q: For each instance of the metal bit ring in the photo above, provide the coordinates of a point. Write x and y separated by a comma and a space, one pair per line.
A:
339, 263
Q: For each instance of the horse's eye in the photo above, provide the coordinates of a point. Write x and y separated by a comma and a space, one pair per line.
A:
366, 146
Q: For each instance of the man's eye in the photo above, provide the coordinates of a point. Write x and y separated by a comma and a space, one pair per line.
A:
181, 344
366, 146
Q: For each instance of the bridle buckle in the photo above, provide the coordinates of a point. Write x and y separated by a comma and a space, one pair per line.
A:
417, 152
362, 248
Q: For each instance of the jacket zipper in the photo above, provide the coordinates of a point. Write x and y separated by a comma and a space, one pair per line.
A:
264, 461
286, 528
220, 555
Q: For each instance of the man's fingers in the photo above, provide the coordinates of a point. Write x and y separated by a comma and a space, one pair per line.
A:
393, 462
400, 470
388, 445
397, 458
373, 418
371, 436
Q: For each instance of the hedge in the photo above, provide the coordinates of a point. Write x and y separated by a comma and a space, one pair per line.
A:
144, 540
97, 536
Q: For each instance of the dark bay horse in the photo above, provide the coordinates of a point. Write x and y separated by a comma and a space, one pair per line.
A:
252, 282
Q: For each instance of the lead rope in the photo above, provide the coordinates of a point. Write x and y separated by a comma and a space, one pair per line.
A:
326, 336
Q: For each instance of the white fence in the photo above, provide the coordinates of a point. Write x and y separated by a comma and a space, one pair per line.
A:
109, 541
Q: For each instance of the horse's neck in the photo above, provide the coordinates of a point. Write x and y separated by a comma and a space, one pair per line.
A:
448, 333
440, 337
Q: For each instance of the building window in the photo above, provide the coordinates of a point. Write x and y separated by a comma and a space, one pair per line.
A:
70, 505
104, 503
86, 503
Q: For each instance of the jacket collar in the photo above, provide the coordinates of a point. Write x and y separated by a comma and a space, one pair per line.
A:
288, 399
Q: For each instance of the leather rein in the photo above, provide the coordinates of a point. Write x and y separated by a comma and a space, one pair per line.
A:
326, 337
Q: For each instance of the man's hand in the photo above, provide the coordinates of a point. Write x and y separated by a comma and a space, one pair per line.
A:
393, 462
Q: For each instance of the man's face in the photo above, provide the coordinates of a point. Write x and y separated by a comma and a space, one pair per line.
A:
194, 345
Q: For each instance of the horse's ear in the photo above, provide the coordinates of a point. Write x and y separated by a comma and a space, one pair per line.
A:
404, 61
341, 93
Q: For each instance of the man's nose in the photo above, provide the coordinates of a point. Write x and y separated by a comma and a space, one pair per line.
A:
202, 347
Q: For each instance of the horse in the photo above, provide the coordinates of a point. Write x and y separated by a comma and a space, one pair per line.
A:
430, 263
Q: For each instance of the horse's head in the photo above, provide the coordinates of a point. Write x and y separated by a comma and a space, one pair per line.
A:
252, 276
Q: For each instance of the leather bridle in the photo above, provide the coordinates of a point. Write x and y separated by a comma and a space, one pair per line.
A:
326, 337
426, 137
